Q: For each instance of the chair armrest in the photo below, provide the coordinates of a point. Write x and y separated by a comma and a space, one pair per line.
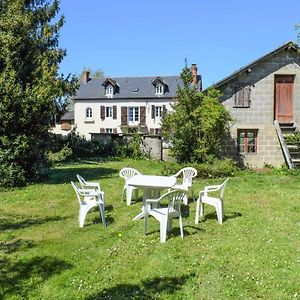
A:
180, 187
152, 200
212, 188
177, 174
95, 184
203, 192
88, 192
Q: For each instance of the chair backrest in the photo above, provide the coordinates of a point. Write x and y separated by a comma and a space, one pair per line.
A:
175, 199
188, 174
127, 173
77, 191
81, 180
84, 184
222, 188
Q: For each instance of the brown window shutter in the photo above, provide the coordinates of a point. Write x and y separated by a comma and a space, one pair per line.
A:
247, 91
143, 115
114, 112
102, 130
124, 117
153, 111
242, 95
102, 112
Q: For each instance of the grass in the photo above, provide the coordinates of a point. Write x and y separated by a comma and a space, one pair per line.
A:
254, 254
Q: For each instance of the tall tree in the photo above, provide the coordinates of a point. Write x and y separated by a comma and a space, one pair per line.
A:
197, 123
31, 90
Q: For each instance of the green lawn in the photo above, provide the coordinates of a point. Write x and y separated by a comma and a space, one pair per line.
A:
254, 254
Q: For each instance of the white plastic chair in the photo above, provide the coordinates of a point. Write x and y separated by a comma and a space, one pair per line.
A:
91, 185
88, 199
127, 173
214, 201
165, 215
187, 174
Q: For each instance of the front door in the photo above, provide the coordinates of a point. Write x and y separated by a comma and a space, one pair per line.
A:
284, 87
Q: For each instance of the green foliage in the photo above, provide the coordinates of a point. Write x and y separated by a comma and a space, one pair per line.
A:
65, 154
74, 147
133, 148
93, 74
31, 91
214, 169
197, 124
292, 138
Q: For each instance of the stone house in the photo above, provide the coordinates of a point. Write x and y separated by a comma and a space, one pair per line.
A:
256, 95
126, 104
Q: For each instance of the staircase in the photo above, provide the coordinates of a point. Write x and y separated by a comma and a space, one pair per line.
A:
290, 150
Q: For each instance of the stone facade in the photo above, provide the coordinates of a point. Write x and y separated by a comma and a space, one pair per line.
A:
259, 116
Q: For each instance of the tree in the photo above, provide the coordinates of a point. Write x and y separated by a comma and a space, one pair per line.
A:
93, 74
31, 90
197, 123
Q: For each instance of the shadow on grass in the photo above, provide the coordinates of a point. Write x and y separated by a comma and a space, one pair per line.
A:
185, 211
65, 175
175, 232
15, 245
147, 289
97, 220
197, 229
19, 278
14, 222
213, 216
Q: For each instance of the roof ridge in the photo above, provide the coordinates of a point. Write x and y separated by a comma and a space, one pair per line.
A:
245, 67
125, 77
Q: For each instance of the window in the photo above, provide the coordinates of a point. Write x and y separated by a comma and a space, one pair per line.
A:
158, 111
159, 89
242, 95
247, 140
109, 91
108, 130
133, 114
108, 111
88, 113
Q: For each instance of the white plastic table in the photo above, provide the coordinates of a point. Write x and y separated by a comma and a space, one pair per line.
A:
150, 184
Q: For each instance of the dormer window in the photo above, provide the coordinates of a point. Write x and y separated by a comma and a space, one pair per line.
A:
160, 86
109, 91
110, 87
159, 89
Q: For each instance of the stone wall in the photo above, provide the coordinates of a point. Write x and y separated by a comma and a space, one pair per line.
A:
260, 114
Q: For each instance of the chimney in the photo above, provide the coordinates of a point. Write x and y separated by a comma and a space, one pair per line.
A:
194, 70
85, 76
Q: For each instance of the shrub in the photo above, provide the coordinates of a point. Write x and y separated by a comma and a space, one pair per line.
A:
292, 138
65, 154
214, 169
72, 147
133, 148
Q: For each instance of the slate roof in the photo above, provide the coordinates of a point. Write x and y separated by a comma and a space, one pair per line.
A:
142, 86
288, 45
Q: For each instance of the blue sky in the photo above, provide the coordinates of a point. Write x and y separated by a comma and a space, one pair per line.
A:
153, 38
